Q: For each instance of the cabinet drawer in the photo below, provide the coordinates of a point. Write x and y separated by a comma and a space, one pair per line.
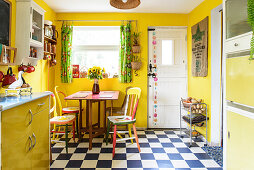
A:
18, 156
240, 43
16, 122
39, 105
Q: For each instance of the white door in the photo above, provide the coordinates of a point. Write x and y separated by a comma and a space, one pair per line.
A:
168, 52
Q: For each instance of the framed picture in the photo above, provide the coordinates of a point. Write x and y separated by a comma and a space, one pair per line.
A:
5, 22
199, 34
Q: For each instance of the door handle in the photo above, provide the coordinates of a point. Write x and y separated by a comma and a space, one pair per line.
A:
31, 113
151, 74
31, 143
34, 140
41, 104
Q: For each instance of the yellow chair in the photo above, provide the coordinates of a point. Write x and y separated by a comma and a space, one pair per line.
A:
61, 121
134, 94
67, 109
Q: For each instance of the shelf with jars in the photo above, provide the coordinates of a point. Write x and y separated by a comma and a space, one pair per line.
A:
50, 41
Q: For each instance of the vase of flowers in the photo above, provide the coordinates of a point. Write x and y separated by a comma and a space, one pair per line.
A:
95, 73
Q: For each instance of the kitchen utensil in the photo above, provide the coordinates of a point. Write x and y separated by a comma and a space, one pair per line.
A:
9, 78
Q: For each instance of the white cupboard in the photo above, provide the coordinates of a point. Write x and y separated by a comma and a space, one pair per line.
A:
29, 32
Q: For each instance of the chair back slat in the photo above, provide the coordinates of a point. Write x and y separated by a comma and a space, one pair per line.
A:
135, 96
132, 100
126, 105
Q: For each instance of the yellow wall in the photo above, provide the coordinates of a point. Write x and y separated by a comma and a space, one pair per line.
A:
144, 20
200, 87
38, 79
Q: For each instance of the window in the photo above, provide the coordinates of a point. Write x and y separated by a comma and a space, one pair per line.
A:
96, 46
167, 52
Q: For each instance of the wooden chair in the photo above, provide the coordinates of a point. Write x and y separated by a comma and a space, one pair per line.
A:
61, 121
120, 111
134, 94
67, 109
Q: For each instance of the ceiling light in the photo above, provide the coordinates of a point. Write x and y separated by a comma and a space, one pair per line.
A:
125, 4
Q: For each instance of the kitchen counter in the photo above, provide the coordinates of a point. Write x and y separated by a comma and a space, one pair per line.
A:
13, 101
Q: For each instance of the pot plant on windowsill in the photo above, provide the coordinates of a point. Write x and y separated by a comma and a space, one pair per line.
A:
136, 63
95, 73
136, 45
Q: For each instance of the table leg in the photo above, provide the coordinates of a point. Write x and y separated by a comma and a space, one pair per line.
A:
99, 114
80, 120
105, 115
87, 114
111, 108
90, 125
111, 114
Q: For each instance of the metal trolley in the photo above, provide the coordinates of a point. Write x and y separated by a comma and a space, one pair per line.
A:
189, 110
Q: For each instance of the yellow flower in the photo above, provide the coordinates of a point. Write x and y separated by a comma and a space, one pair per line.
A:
89, 70
99, 72
93, 70
103, 70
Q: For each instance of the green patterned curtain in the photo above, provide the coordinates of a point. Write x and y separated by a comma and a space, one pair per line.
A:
125, 54
66, 54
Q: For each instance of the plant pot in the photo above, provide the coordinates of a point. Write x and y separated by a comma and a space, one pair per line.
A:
96, 87
136, 49
136, 65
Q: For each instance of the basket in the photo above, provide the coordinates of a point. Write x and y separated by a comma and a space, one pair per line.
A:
186, 105
136, 49
136, 65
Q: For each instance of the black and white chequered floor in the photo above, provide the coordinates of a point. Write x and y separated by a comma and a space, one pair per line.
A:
160, 150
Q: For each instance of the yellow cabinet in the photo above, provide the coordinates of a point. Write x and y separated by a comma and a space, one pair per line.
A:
240, 150
240, 80
25, 136
40, 158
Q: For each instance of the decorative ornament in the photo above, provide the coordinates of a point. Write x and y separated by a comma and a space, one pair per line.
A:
155, 98
125, 4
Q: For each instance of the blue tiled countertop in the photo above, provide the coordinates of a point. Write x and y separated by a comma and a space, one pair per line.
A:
13, 101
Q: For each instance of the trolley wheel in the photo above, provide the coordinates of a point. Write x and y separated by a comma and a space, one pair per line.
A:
205, 144
181, 136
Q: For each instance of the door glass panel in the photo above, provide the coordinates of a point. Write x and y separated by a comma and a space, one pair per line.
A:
37, 26
167, 52
236, 18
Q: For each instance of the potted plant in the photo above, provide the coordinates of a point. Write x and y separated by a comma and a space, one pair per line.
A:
95, 73
136, 45
136, 63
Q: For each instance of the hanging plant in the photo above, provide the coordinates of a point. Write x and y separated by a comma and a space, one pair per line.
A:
250, 10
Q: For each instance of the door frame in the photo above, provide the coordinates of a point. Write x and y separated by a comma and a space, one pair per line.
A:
150, 28
216, 76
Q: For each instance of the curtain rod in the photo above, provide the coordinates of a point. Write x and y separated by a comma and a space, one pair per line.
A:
98, 20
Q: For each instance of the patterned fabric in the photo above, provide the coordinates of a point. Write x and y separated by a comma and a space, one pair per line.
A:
160, 150
62, 119
121, 119
125, 54
66, 55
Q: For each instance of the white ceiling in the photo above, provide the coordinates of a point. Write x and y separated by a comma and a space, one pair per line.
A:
146, 6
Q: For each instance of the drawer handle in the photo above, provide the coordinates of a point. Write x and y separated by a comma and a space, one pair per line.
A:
32, 116
31, 143
34, 140
236, 44
41, 104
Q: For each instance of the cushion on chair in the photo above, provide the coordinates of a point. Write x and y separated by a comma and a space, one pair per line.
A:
117, 110
121, 119
70, 110
62, 119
